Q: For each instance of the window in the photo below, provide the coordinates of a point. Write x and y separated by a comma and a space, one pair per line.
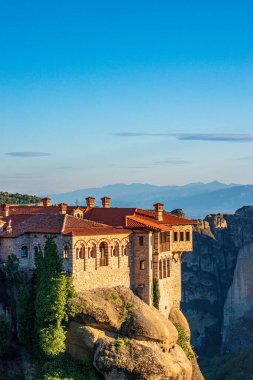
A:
164, 268
168, 267
81, 252
103, 249
115, 251
175, 238
24, 252
125, 251
66, 252
181, 236
187, 235
92, 252
142, 264
160, 269
141, 240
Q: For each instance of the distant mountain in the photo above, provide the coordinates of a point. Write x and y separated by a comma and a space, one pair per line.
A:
196, 199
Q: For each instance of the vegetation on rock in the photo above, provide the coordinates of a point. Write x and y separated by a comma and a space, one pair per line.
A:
155, 292
184, 342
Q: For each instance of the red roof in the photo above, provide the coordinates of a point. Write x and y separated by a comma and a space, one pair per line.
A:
136, 221
55, 224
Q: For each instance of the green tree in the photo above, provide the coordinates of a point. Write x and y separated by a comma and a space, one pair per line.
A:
25, 315
52, 302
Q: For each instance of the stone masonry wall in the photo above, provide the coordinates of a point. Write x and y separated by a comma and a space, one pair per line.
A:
87, 271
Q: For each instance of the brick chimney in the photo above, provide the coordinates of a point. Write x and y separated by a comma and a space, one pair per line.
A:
46, 202
6, 210
159, 211
63, 208
90, 201
106, 202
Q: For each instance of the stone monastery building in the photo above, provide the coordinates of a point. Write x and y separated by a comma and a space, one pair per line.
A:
103, 246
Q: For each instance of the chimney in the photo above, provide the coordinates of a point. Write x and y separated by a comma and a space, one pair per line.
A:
46, 202
106, 202
6, 210
90, 201
63, 208
159, 211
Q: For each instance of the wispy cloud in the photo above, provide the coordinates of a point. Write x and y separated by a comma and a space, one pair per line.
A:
27, 154
227, 137
171, 162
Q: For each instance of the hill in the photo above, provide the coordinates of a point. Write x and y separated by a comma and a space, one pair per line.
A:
197, 199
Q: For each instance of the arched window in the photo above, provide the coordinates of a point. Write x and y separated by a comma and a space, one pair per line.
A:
82, 252
168, 267
103, 249
115, 250
66, 252
160, 269
92, 252
24, 252
125, 250
164, 268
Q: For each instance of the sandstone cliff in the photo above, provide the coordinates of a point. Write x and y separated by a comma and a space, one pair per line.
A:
209, 272
130, 339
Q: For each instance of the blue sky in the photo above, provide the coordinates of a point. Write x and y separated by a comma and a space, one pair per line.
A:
98, 92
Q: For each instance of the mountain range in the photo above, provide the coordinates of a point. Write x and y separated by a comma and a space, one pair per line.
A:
196, 199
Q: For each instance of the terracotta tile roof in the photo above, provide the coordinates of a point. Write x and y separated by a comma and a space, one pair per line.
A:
111, 216
137, 221
39, 223
56, 224
168, 218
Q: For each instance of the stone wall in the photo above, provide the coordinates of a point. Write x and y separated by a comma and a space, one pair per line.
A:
13, 246
88, 273
143, 265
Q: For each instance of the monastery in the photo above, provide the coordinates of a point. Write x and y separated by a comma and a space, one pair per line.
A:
103, 246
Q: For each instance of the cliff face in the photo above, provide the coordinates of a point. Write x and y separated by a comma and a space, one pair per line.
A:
209, 272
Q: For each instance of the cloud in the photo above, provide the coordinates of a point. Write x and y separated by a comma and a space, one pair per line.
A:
216, 137
227, 137
27, 154
171, 162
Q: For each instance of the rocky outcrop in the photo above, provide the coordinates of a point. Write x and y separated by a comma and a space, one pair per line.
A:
208, 272
237, 331
131, 339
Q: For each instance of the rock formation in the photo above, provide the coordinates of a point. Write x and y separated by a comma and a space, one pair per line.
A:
131, 339
208, 273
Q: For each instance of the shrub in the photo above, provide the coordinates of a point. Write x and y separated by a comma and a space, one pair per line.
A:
184, 342
155, 293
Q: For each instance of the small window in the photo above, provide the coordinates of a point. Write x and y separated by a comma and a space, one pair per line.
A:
187, 235
141, 240
142, 264
175, 236
125, 251
93, 252
181, 236
24, 252
66, 252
